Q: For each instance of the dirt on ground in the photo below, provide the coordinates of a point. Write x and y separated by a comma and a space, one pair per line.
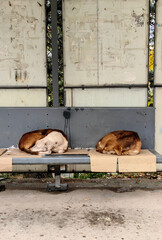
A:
115, 209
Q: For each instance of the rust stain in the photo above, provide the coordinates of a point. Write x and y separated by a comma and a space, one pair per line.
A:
20, 76
39, 4
25, 75
16, 76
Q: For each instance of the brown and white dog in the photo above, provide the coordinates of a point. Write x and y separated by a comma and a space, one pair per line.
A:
120, 143
44, 140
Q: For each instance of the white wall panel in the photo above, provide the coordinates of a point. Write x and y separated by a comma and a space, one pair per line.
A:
22, 43
158, 120
105, 42
108, 97
23, 98
80, 42
123, 41
22, 48
158, 49
158, 80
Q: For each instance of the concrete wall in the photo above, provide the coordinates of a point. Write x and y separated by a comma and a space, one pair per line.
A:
158, 80
22, 52
105, 43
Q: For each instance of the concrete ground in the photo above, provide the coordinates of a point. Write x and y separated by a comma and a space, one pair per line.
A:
108, 209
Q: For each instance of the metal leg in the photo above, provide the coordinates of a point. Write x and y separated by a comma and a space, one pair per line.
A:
57, 181
57, 186
2, 186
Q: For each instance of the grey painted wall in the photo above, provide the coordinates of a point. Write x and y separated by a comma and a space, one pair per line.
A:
85, 126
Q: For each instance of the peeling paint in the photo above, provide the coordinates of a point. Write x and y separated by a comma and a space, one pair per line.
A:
22, 43
105, 45
139, 19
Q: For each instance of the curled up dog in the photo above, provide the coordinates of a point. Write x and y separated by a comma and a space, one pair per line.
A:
44, 141
120, 143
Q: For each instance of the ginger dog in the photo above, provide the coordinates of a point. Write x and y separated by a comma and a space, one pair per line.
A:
120, 143
28, 140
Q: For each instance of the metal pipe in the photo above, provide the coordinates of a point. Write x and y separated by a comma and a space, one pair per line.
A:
109, 86
23, 87
158, 156
53, 160
46, 52
54, 53
60, 160
158, 85
154, 55
148, 52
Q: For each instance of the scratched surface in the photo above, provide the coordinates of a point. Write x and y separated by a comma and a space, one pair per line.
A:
22, 44
105, 42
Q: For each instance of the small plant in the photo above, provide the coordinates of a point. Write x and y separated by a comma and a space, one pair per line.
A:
89, 175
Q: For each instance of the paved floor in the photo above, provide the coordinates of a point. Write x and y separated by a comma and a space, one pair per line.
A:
85, 213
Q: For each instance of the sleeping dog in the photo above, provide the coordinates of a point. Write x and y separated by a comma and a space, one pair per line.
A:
53, 142
44, 140
120, 143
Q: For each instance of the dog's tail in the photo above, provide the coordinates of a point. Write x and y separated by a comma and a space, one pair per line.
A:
29, 151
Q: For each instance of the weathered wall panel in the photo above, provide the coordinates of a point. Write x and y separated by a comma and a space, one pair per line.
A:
22, 44
105, 42
123, 41
80, 41
158, 120
158, 80
108, 97
23, 98
158, 49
